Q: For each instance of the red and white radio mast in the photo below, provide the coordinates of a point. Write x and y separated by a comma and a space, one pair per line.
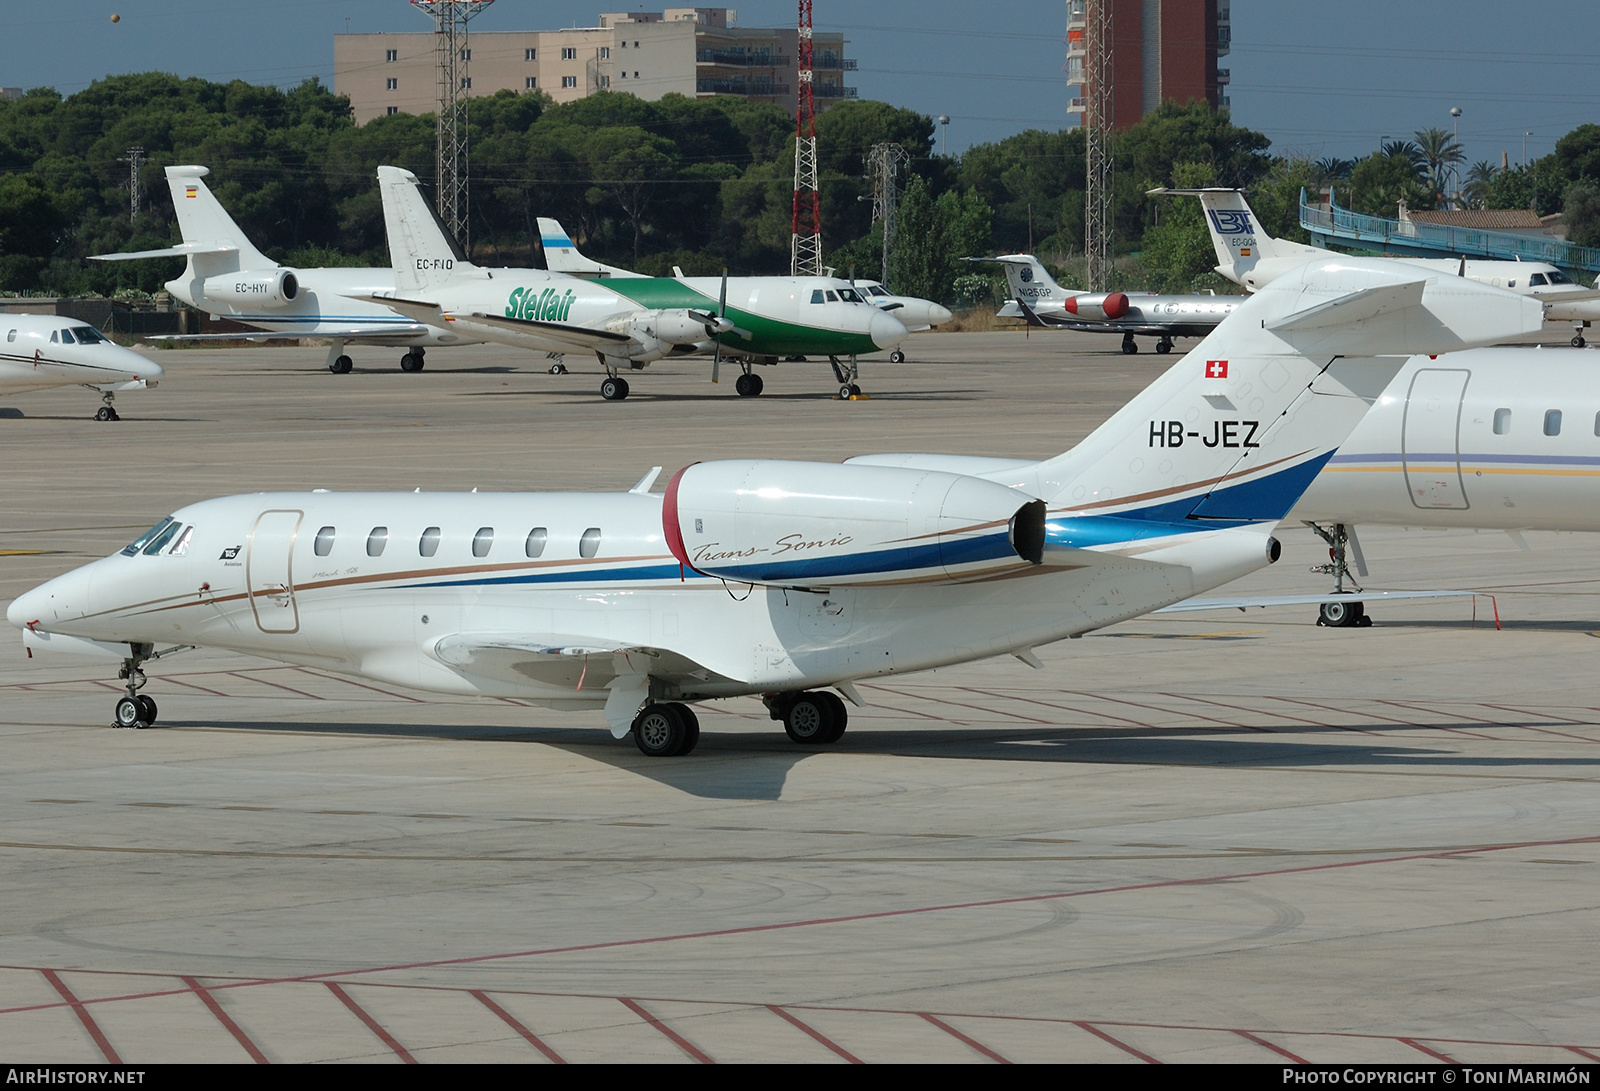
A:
805, 244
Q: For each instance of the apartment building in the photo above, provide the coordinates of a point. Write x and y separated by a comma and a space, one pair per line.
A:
1160, 49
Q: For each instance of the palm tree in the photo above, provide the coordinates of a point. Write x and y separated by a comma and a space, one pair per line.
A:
1405, 149
1479, 178
1438, 150
1330, 169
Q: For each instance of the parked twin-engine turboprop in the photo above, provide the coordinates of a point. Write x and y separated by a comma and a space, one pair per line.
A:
782, 578
227, 276
1040, 301
41, 351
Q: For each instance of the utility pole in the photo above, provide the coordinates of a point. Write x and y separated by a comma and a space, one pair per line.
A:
452, 56
883, 163
805, 240
135, 159
1097, 133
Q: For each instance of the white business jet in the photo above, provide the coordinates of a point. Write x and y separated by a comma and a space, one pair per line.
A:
228, 277
781, 578
561, 255
41, 351
1250, 257
1040, 301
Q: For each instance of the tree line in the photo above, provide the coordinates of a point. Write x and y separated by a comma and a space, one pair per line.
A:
696, 183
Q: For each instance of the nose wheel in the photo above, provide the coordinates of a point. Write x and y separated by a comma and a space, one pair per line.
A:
107, 411
134, 709
847, 374
897, 357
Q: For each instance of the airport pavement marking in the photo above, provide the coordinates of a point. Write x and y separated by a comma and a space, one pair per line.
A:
816, 1034
1434, 1053
222, 1017
372, 1024
962, 1038
83, 1015
1268, 1045
1124, 1046
673, 1036
516, 1024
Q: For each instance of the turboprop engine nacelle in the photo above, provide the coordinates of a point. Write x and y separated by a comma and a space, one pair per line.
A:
1107, 306
263, 288
677, 327
809, 524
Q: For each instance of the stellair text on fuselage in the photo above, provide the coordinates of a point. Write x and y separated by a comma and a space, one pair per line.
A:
628, 323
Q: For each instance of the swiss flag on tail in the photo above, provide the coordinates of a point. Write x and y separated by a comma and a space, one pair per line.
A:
1216, 369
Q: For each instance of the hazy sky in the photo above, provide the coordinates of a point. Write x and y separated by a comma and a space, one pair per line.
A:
1318, 78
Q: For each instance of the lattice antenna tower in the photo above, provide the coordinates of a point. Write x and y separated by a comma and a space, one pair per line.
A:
805, 243
452, 59
883, 164
1097, 136
135, 159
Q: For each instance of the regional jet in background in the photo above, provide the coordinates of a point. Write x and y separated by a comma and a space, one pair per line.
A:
1250, 257
1040, 301
561, 255
787, 580
228, 277
42, 351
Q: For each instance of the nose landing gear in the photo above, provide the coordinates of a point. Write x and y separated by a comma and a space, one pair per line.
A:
847, 376
1341, 541
134, 710
108, 411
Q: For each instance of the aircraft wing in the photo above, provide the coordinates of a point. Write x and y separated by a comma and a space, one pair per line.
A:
182, 250
581, 663
573, 338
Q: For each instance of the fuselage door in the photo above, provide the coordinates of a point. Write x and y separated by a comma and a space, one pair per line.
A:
269, 571
1430, 444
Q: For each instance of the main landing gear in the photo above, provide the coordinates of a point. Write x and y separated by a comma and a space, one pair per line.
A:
668, 730
107, 411
134, 710
613, 388
812, 718
748, 385
338, 362
847, 376
412, 361
1130, 347
1164, 346
1340, 614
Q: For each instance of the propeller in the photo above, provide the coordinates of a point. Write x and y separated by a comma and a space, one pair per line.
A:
722, 321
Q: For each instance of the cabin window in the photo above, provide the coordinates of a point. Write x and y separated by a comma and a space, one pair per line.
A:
159, 542
1502, 421
428, 544
1536, 280
482, 540
1597, 424
538, 536
1552, 422
12, 336
589, 544
144, 539
322, 545
181, 546
1512, 283
816, 296
377, 540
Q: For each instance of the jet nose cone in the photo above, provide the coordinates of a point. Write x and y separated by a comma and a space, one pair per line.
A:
937, 315
886, 331
148, 368
29, 606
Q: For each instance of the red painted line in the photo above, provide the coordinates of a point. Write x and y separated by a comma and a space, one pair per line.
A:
83, 1016
1124, 1046
372, 1024
515, 1024
1438, 712
1336, 708
1434, 1053
1063, 708
1583, 1053
275, 685
962, 1038
222, 1017
1162, 708
815, 1034
962, 704
203, 689
1268, 1045
1237, 708
677, 1039
358, 685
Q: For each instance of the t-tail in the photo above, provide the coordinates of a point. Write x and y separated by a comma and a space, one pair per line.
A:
214, 244
422, 252
1238, 238
561, 254
1029, 281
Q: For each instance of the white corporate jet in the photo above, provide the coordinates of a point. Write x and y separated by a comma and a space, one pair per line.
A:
41, 351
628, 322
562, 256
1250, 257
1040, 301
228, 277
783, 579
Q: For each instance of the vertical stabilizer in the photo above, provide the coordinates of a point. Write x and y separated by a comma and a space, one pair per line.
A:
204, 222
1029, 281
561, 254
1237, 236
421, 251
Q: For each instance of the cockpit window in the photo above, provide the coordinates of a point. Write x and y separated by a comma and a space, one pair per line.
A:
133, 548
88, 335
66, 337
55, 337
849, 295
181, 546
1560, 278
816, 295
833, 296
1535, 280
878, 289
159, 542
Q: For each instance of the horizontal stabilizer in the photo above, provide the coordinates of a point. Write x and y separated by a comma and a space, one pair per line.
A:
182, 250
1359, 306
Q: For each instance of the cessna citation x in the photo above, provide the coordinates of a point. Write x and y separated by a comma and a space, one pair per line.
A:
41, 351
627, 322
1250, 257
228, 277
561, 255
1038, 299
783, 579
